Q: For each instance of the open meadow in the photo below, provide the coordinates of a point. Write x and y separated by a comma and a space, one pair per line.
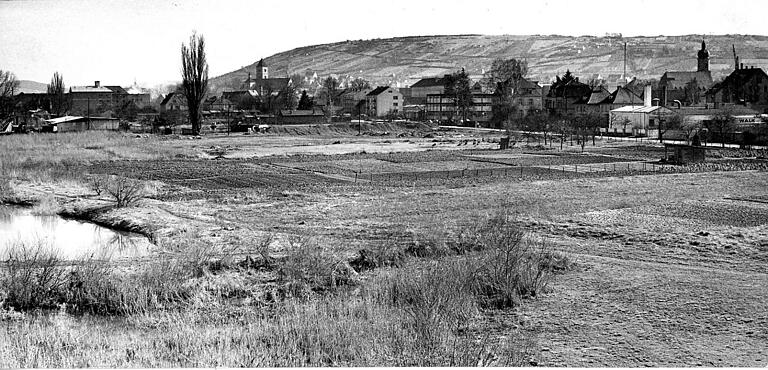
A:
413, 247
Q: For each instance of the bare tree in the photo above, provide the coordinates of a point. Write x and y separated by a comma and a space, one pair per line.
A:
56, 94
8, 86
194, 73
503, 79
359, 84
331, 86
722, 123
674, 122
288, 96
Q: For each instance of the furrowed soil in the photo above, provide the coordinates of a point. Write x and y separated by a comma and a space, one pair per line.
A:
671, 262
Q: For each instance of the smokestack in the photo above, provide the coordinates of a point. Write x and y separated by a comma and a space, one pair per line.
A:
96, 83
741, 66
647, 96
624, 74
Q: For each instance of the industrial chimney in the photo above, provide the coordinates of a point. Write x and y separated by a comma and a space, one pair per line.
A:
647, 96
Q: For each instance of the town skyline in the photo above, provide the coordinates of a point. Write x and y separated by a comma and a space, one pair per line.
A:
113, 40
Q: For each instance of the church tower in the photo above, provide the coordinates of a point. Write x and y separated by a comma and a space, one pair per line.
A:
262, 72
703, 58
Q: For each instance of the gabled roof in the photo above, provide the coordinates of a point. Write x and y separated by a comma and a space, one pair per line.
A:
89, 89
274, 84
624, 96
679, 80
598, 96
378, 90
527, 84
430, 82
117, 89
171, 96
738, 77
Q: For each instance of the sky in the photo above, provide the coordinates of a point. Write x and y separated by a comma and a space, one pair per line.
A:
119, 42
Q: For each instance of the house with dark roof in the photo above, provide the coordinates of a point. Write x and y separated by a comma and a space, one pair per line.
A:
384, 100
424, 87
174, 101
566, 95
687, 87
257, 92
744, 86
91, 100
602, 102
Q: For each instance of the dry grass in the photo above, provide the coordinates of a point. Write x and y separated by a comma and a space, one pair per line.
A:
47, 157
46, 206
178, 311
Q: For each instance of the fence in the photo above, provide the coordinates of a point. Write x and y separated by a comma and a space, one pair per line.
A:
513, 172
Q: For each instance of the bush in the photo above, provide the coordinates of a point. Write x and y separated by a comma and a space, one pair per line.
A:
309, 266
437, 297
36, 277
122, 190
33, 277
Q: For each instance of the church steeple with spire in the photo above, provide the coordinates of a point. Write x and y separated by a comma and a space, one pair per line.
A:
703, 58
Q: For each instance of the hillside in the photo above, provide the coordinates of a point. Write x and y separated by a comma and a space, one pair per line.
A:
29, 87
404, 60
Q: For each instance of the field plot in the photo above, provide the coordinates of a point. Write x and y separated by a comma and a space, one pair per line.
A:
348, 167
210, 174
531, 159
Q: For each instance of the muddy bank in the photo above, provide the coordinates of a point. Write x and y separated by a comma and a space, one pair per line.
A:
146, 218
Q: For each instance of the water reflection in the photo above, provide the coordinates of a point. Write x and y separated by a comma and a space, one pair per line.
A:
72, 239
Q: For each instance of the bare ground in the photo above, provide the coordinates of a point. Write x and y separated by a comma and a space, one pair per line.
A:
670, 268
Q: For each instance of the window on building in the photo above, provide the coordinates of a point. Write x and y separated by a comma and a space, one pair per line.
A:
394, 97
394, 104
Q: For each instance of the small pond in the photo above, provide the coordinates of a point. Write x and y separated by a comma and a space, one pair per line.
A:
70, 239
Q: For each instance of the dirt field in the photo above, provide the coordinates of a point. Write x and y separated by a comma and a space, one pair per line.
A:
671, 262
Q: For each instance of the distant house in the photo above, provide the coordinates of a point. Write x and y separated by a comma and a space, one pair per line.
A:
602, 102
744, 86
294, 116
174, 101
566, 95
424, 87
352, 101
442, 108
138, 96
528, 98
91, 100
687, 87
637, 120
384, 100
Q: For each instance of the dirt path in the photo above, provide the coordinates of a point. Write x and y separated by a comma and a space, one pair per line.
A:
618, 313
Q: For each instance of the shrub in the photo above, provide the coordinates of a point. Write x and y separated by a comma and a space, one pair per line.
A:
122, 190
382, 255
437, 297
309, 266
33, 277
512, 266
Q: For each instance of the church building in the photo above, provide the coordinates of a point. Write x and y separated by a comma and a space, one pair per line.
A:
689, 88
